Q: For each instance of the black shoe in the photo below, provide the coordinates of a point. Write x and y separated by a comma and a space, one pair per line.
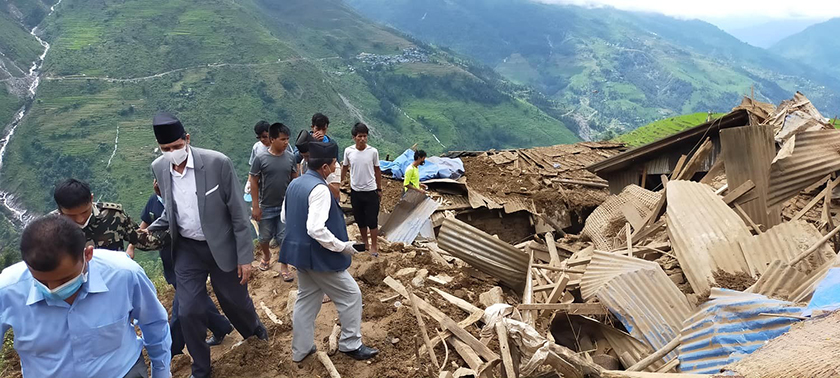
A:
261, 333
363, 353
311, 352
215, 340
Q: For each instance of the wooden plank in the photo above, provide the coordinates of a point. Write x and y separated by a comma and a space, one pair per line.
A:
629, 240
814, 247
558, 290
552, 249
583, 183
644, 176
671, 365
561, 269
693, 164
829, 187
470, 320
466, 353
333, 340
736, 193
632, 215
325, 360
422, 325
746, 217
678, 168
460, 303
445, 321
574, 308
528, 294
655, 356
504, 348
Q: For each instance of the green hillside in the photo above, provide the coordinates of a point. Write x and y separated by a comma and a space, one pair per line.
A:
611, 70
660, 129
816, 46
222, 66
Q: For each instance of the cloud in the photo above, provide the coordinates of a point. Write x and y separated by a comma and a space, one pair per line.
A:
720, 8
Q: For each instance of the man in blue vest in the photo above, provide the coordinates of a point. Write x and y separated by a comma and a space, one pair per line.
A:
316, 244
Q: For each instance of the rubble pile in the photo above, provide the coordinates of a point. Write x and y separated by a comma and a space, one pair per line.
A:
690, 278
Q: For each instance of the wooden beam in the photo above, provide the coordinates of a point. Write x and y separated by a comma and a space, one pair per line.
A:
629, 240
670, 365
325, 360
470, 320
468, 354
644, 176
559, 288
690, 168
574, 308
746, 217
826, 194
583, 183
422, 325
333, 340
678, 168
552, 249
460, 303
736, 193
445, 321
559, 269
528, 293
815, 247
504, 348
655, 356
640, 235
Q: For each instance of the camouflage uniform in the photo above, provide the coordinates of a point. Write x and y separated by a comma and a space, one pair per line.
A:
110, 228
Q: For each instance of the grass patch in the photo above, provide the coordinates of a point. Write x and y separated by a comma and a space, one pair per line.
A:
663, 128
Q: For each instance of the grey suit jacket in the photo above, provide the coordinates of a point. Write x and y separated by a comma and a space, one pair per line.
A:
222, 211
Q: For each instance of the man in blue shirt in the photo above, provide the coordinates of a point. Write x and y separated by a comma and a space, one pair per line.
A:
72, 308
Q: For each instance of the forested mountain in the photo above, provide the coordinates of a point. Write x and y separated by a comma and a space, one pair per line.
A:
608, 69
817, 46
222, 65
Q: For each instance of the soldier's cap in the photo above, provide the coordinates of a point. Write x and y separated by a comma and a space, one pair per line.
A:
321, 150
303, 140
167, 128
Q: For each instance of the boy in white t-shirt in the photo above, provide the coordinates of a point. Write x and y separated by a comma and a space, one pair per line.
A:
362, 161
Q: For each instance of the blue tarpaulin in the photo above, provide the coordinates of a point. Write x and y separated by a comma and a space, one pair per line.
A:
827, 295
434, 168
728, 327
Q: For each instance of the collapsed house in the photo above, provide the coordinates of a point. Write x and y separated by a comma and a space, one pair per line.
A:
710, 245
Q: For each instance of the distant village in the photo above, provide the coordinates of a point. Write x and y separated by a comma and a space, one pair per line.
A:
409, 55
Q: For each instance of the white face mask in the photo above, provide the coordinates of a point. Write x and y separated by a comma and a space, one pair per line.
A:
176, 157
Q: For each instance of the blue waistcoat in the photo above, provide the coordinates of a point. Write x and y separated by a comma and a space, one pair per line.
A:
299, 249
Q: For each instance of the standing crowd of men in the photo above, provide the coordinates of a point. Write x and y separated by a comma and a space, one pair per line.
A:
75, 299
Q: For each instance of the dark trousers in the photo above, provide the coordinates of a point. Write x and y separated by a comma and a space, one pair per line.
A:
193, 263
216, 322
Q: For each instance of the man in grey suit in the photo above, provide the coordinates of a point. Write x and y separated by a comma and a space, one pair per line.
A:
208, 223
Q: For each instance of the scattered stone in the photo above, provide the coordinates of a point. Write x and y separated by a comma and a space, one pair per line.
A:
677, 278
418, 280
395, 340
372, 272
406, 271
442, 279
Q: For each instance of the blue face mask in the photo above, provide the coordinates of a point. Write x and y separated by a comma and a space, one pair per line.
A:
66, 290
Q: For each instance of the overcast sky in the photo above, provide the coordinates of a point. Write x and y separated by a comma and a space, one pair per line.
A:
723, 9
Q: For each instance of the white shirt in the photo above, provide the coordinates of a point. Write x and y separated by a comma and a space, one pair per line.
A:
362, 163
320, 200
186, 200
258, 148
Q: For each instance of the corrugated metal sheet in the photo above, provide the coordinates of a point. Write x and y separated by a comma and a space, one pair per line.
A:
484, 252
408, 217
778, 281
784, 242
814, 155
704, 233
728, 327
629, 349
622, 179
605, 266
649, 304
454, 202
804, 291
749, 152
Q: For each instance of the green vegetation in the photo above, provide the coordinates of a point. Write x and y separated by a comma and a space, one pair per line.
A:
242, 62
609, 70
19, 49
8, 356
660, 129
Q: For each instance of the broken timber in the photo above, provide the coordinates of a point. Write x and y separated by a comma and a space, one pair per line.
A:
572, 308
